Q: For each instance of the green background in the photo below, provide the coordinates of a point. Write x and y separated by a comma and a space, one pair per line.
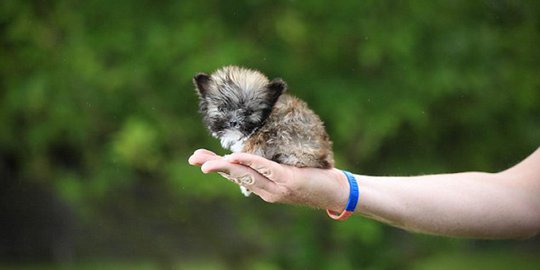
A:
98, 116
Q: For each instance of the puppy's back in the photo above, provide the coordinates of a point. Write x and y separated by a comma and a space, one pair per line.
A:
292, 135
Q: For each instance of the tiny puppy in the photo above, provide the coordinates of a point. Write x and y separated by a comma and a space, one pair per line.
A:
248, 113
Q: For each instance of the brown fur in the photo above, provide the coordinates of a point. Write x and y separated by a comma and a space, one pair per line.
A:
292, 135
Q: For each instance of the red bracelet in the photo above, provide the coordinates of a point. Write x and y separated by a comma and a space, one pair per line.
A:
339, 216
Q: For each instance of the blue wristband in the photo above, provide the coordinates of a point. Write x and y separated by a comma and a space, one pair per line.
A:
353, 195
353, 200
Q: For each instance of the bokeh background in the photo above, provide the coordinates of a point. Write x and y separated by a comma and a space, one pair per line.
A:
98, 116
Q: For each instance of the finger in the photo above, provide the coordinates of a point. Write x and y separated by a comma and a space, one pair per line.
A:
204, 151
201, 159
201, 156
241, 175
270, 169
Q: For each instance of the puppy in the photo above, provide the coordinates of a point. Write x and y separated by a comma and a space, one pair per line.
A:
249, 113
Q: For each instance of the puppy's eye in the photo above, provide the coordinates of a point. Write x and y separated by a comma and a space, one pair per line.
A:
248, 112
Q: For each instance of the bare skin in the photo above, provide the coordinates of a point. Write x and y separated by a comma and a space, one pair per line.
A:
469, 204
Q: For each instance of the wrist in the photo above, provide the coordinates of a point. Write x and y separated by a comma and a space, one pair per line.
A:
340, 191
351, 202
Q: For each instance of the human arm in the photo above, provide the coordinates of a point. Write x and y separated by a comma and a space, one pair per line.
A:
470, 204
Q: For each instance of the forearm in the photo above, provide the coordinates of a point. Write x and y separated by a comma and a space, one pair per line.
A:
471, 204
479, 205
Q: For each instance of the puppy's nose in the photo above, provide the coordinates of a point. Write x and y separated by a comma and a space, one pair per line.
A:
234, 124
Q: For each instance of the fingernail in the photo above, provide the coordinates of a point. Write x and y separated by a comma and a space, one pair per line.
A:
204, 169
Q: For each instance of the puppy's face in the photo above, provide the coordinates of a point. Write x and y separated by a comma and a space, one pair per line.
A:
236, 101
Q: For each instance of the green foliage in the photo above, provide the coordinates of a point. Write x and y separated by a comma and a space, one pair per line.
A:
98, 109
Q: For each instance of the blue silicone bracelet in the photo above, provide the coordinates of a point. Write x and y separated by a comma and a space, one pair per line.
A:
353, 194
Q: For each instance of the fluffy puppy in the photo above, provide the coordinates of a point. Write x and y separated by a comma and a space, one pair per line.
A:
249, 113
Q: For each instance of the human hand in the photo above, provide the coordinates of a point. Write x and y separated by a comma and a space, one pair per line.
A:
278, 183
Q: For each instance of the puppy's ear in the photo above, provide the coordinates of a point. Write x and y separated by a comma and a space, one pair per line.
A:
276, 87
201, 81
